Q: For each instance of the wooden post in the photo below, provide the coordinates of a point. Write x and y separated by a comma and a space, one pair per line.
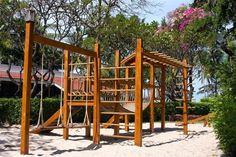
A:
152, 95
88, 129
127, 98
163, 91
185, 98
117, 94
96, 106
66, 92
138, 93
25, 115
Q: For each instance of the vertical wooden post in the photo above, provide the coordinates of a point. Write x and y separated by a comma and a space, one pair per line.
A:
117, 94
185, 98
66, 92
152, 95
127, 98
138, 93
25, 114
88, 129
163, 91
96, 105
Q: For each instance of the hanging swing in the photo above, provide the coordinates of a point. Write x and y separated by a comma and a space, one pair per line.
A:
86, 121
40, 122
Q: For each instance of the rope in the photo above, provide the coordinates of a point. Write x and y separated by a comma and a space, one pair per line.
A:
59, 120
40, 117
70, 120
86, 117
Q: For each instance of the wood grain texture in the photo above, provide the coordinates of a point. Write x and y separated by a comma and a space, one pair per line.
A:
138, 93
25, 114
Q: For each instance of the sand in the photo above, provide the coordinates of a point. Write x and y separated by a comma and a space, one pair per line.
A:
201, 142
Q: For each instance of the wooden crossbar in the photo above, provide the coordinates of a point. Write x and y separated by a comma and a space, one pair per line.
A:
80, 103
81, 63
121, 67
118, 113
61, 45
117, 79
117, 101
112, 124
119, 90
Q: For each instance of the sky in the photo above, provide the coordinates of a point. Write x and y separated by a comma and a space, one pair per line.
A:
158, 12
165, 6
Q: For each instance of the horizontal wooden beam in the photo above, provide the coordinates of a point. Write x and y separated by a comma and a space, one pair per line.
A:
61, 45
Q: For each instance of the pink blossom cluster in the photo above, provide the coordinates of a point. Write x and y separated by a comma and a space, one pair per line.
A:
183, 16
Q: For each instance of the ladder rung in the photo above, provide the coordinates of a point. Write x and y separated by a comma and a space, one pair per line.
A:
118, 113
114, 90
80, 95
117, 101
117, 79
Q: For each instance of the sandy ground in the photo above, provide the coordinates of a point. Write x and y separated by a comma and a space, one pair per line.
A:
201, 142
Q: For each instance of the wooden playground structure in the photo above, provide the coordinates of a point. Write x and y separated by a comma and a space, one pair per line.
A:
123, 94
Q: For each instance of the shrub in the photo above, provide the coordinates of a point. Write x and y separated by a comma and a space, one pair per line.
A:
224, 122
10, 110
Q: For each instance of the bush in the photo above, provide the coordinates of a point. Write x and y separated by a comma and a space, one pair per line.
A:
224, 122
10, 110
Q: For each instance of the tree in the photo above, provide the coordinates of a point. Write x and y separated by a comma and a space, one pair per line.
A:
184, 35
63, 20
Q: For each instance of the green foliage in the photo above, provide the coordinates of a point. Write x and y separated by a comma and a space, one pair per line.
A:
10, 109
224, 122
120, 32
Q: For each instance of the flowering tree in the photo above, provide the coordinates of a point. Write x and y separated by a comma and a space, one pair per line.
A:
185, 30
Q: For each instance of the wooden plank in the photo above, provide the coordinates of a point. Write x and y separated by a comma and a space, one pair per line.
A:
114, 90
128, 59
152, 94
185, 97
64, 46
118, 101
88, 129
96, 108
118, 113
47, 123
25, 114
119, 136
66, 91
80, 102
138, 93
117, 79
127, 98
163, 90
114, 68
126, 122
107, 124
117, 93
